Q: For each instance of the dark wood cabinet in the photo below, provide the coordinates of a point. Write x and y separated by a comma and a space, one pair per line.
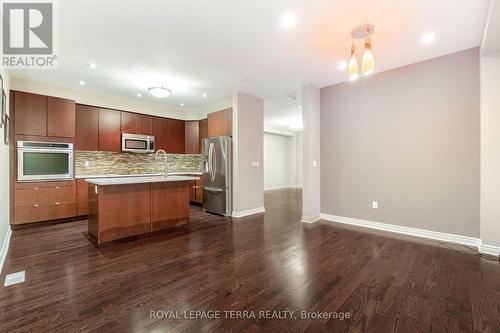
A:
31, 114
192, 137
160, 132
175, 136
220, 123
109, 130
61, 117
203, 133
134, 123
82, 197
87, 128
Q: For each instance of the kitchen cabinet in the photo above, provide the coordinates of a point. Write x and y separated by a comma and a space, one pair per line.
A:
169, 135
160, 132
134, 123
175, 136
109, 130
61, 117
87, 128
203, 133
192, 137
196, 191
30, 114
220, 123
82, 197
36, 202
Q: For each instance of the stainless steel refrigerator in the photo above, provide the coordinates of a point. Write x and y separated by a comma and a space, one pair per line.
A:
217, 172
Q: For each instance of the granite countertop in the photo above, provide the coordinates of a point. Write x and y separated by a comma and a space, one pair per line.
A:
136, 175
138, 180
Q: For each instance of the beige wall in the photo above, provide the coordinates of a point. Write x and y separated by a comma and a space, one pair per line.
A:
4, 178
490, 150
409, 139
248, 146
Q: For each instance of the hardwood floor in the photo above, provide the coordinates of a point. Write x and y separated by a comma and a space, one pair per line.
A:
271, 261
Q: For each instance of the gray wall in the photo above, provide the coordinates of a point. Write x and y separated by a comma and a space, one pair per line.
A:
409, 139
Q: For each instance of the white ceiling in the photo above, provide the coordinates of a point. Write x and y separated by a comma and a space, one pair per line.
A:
220, 46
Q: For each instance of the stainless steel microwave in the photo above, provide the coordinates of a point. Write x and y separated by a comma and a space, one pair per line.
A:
44, 161
135, 143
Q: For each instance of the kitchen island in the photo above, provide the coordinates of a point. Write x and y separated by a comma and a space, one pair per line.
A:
129, 206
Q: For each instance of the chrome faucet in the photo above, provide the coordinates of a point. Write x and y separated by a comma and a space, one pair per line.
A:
156, 161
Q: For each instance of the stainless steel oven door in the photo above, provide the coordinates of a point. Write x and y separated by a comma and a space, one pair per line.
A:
44, 164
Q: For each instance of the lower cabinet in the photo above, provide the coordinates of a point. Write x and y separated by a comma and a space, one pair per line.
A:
196, 191
37, 202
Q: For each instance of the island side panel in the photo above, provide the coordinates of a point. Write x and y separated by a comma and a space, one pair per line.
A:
169, 204
93, 226
123, 211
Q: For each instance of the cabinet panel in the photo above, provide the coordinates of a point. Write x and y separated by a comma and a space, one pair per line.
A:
109, 130
44, 196
192, 137
30, 114
160, 132
203, 132
213, 124
225, 119
87, 128
175, 136
129, 123
82, 195
27, 214
144, 124
61, 116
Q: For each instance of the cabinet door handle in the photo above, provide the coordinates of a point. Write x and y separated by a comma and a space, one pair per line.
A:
36, 205
35, 189
57, 203
57, 187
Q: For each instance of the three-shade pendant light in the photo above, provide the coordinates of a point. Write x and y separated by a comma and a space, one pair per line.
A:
368, 61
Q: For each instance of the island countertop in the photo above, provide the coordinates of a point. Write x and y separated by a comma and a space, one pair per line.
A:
139, 180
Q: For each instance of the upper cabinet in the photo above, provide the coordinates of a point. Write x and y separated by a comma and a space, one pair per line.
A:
192, 137
61, 117
40, 115
109, 130
220, 123
169, 135
30, 114
87, 128
203, 134
175, 136
134, 123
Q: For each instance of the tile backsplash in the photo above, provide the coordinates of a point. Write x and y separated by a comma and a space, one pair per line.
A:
102, 163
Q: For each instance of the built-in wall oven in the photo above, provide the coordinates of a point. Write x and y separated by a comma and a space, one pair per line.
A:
135, 143
44, 161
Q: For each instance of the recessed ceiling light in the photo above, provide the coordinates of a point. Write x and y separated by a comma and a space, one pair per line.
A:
342, 65
82, 83
205, 95
428, 38
288, 21
92, 65
182, 104
139, 95
299, 107
160, 92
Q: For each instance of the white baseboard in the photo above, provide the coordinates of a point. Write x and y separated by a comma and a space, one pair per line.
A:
282, 187
465, 240
310, 219
489, 249
248, 212
5, 248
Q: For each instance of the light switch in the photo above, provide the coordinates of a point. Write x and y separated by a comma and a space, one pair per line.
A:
375, 204
255, 164
315, 163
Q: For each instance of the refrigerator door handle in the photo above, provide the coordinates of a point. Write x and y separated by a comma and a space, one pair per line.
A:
213, 189
212, 162
210, 159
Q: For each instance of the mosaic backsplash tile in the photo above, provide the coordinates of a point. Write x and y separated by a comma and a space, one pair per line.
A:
102, 163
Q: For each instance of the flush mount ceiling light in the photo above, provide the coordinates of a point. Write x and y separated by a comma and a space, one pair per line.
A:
160, 92
362, 32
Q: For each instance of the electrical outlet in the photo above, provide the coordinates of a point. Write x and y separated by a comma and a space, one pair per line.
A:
14, 278
375, 204
86, 163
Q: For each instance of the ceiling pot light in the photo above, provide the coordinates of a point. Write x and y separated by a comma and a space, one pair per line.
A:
288, 21
139, 95
92, 65
81, 82
368, 62
353, 69
182, 104
205, 95
428, 38
160, 92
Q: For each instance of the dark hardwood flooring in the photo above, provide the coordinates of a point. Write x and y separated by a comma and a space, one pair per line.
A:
387, 282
